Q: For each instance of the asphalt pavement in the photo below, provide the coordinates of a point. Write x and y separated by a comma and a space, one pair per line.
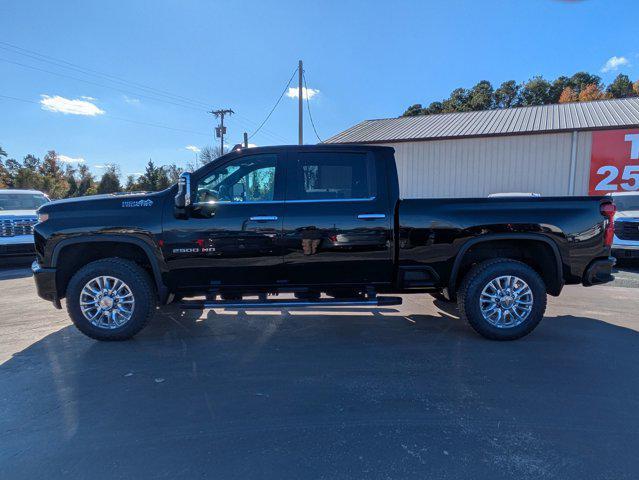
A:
381, 393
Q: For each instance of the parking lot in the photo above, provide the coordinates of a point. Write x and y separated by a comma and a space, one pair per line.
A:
407, 392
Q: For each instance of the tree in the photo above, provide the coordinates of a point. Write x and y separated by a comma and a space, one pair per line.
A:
130, 183
536, 91
433, 108
86, 182
414, 110
621, 87
457, 102
480, 97
581, 80
173, 173
568, 95
5, 177
635, 87
53, 178
507, 95
153, 179
110, 181
590, 92
558, 86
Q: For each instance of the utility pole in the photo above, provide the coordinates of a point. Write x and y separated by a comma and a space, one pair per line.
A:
220, 130
245, 140
300, 104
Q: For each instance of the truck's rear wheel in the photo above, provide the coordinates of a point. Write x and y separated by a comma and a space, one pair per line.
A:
502, 299
110, 299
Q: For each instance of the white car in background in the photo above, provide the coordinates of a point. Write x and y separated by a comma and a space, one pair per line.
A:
626, 241
17, 218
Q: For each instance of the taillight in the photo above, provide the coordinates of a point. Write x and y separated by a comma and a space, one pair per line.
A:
608, 210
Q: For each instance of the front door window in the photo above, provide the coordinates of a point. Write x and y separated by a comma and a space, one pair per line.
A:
247, 179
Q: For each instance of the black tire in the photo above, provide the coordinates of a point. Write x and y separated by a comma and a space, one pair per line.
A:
468, 297
134, 276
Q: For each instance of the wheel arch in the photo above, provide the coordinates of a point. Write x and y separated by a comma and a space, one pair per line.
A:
554, 280
129, 247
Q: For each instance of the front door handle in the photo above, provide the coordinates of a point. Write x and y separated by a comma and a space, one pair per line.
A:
264, 218
371, 216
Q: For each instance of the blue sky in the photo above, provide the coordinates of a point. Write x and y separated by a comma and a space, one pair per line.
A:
368, 59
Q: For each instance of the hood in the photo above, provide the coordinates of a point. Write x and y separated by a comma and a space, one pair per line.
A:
17, 213
105, 200
628, 214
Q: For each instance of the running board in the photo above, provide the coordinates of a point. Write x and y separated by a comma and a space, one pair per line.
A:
322, 302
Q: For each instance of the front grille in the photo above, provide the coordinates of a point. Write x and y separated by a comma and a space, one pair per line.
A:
11, 227
627, 230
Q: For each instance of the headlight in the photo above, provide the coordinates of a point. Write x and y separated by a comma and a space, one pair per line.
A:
43, 217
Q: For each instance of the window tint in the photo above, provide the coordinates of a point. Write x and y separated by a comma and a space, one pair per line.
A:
326, 176
247, 179
21, 201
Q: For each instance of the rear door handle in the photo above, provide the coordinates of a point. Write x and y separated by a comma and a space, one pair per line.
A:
371, 216
264, 218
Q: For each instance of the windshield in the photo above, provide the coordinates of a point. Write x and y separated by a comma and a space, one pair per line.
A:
21, 201
625, 203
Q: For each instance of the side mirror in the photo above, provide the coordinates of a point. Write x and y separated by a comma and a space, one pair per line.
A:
183, 196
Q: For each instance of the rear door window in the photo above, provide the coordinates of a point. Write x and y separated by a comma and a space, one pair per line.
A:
332, 176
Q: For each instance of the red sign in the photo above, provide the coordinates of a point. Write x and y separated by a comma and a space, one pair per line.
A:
614, 161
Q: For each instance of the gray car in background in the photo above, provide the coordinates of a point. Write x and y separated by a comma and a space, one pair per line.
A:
626, 241
17, 218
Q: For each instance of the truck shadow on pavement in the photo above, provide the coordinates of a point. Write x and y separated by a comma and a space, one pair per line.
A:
372, 394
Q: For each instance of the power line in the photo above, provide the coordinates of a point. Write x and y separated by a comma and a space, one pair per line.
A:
99, 84
274, 106
87, 71
308, 106
156, 125
158, 95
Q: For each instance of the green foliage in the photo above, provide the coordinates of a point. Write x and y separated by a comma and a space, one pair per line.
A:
110, 181
507, 95
58, 180
621, 87
582, 86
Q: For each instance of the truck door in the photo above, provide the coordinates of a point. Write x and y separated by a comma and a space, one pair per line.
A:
233, 231
337, 219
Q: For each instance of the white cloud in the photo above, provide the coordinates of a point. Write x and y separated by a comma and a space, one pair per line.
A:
193, 148
90, 99
66, 159
131, 100
614, 63
68, 106
99, 166
293, 92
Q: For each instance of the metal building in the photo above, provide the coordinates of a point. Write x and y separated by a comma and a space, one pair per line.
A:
543, 149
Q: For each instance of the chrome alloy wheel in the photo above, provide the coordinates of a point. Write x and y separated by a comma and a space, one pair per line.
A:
506, 301
107, 302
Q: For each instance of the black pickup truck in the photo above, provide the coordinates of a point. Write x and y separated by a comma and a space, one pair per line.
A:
325, 223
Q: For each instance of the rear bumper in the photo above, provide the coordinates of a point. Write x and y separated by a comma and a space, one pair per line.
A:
599, 271
45, 283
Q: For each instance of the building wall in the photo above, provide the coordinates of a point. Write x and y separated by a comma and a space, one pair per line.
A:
476, 167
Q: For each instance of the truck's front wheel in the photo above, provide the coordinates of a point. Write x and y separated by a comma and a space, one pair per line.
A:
110, 299
502, 299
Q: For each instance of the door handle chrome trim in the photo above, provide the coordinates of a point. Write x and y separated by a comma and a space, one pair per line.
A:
264, 218
371, 216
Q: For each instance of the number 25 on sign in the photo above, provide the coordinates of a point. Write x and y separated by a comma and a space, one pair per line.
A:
614, 162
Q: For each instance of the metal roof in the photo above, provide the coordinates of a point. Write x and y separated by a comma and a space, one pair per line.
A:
600, 114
